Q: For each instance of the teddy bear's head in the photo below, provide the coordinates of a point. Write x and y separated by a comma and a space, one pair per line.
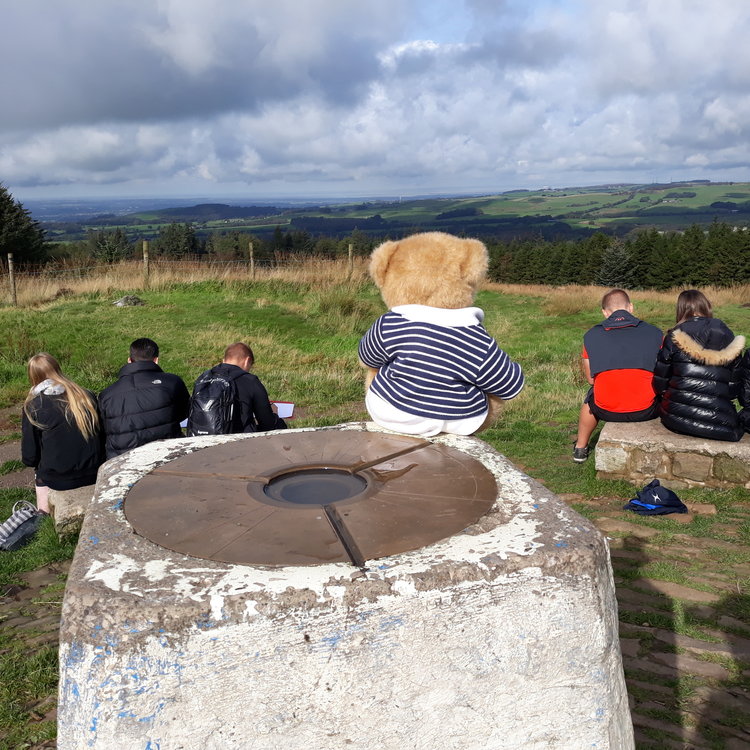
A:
433, 268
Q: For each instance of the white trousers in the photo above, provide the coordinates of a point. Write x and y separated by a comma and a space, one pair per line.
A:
391, 418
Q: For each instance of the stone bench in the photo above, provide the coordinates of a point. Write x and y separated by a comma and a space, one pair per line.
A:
642, 451
68, 507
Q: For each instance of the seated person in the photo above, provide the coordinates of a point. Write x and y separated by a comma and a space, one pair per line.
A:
618, 361
144, 403
698, 373
248, 406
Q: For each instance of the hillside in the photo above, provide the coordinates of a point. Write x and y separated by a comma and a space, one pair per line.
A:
565, 213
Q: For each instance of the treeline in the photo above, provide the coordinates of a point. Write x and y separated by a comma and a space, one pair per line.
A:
718, 255
181, 240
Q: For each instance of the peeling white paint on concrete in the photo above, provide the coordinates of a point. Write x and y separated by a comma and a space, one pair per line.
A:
486, 639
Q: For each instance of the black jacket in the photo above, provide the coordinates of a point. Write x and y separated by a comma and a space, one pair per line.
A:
143, 405
252, 411
697, 374
63, 459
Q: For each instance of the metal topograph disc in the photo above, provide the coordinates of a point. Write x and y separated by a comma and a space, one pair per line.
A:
306, 498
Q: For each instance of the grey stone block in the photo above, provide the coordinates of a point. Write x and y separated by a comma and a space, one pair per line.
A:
692, 466
684, 460
732, 469
68, 507
503, 635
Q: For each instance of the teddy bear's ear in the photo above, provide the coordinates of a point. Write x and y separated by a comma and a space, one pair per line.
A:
379, 260
474, 262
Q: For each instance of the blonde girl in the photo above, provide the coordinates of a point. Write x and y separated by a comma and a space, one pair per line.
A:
60, 434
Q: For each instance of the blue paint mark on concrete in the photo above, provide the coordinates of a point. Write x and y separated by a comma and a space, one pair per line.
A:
75, 654
94, 539
332, 641
118, 504
390, 623
600, 713
535, 505
152, 745
561, 544
205, 622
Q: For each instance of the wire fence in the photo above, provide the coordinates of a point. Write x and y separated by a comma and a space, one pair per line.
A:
31, 284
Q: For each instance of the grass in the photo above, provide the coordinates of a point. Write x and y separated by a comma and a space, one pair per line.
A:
10, 466
28, 682
45, 547
304, 325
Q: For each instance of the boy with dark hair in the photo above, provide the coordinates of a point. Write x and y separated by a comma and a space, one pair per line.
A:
236, 400
144, 404
619, 355
144, 350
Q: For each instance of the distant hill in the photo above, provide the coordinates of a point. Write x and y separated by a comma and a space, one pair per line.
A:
563, 213
215, 212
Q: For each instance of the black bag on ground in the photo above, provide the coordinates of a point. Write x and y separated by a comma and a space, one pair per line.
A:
655, 500
20, 528
212, 405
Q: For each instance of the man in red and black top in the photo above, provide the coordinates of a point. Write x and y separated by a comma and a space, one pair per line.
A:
619, 355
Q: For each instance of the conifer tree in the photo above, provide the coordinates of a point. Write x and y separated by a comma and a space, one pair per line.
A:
616, 269
19, 233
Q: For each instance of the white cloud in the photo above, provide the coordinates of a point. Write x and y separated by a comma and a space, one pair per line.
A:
378, 94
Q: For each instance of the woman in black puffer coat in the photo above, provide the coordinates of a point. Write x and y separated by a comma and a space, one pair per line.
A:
697, 373
60, 434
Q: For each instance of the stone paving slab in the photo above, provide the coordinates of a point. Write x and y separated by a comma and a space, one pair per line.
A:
10, 451
691, 665
625, 527
675, 590
685, 734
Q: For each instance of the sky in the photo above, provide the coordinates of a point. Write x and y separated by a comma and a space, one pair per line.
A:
252, 99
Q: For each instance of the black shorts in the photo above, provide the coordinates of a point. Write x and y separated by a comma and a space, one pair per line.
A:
652, 412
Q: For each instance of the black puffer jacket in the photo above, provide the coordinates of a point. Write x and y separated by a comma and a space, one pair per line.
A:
54, 446
697, 375
145, 404
744, 394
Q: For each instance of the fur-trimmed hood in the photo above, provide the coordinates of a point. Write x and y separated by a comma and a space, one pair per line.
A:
699, 353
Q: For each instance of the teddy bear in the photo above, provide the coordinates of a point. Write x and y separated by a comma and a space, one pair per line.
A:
432, 365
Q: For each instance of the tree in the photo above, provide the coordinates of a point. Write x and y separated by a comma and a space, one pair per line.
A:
19, 233
177, 240
109, 246
616, 269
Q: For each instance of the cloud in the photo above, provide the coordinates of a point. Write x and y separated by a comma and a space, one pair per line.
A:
373, 95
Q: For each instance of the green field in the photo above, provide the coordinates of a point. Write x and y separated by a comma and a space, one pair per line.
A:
305, 339
618, 208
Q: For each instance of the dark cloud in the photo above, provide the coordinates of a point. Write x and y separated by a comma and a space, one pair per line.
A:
373, 93
90, 62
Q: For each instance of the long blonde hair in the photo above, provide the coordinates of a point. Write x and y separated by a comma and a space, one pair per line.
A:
78, 402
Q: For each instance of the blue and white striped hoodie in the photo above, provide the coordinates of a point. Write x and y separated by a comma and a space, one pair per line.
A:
438, 363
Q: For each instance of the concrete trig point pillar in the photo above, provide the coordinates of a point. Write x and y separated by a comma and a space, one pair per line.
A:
492, 625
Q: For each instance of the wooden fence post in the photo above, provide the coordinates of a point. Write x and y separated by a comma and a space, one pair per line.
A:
252, 261
12, 280
145, 264
351, 260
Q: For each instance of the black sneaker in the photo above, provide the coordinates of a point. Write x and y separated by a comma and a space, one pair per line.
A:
580, 454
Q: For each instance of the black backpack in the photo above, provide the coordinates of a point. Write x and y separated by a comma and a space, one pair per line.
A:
212, 405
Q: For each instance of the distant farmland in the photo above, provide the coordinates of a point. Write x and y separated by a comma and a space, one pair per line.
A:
548, 214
